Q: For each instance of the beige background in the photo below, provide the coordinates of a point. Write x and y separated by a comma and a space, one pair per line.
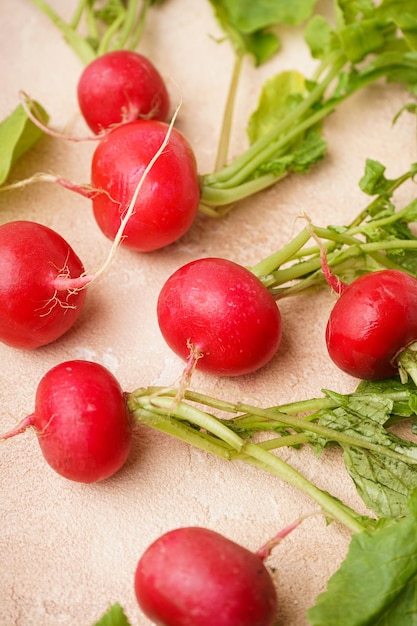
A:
66, 550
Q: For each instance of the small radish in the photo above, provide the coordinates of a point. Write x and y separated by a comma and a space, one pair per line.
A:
169, 197
220, 314
373, 321
81, 421
121, 86
195, 576
39, 279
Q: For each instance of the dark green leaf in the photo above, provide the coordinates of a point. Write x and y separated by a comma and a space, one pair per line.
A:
115, 616
376, 584
384, 483
17, 135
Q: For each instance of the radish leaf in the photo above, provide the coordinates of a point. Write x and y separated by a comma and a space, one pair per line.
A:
376, 583
17, 135
113, 617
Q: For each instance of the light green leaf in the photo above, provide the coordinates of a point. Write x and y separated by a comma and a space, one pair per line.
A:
251, 16
115, 616
278, 96
319, 37
17, 135
258, 43
374, 181
376, 584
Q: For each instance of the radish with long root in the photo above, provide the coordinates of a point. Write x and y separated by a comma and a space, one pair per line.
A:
81, 420
43, 282
170, 195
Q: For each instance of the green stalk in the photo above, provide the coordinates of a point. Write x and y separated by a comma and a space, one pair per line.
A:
78, 43
136, 36
225, 131
112, 29
147, 410
128, 25
263, 142
275, 260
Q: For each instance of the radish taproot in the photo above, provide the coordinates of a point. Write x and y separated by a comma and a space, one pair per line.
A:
373, 323
120, 86
194, 575
217, 313
39, 279
81, 420
169, 197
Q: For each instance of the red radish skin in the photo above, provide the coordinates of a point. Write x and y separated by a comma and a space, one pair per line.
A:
372, 322
121, 86
36, 267
196, 577
222, 312
169, 197
81, 421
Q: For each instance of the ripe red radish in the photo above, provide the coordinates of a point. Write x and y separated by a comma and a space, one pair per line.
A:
222, 314
196, 576
38, 274
81, 421
169, 197
121, 86
372, 322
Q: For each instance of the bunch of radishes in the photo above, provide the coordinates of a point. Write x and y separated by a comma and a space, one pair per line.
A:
215, 314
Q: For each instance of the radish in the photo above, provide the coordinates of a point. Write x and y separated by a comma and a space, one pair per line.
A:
217, 315
40, 276
81, 421
169, 197
121, 86
373, 321
196, 576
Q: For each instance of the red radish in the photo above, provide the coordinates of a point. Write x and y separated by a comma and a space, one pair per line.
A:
38, 273
222, 313
169, 197
372, 322
121, 86
195, 576
81, 421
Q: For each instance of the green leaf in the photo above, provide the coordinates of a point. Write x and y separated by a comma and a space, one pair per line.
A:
279, 95
258, 43
115, 616
17, 135
376, 584
249, 16
319, 37
373, 181
352, 10
384, 483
